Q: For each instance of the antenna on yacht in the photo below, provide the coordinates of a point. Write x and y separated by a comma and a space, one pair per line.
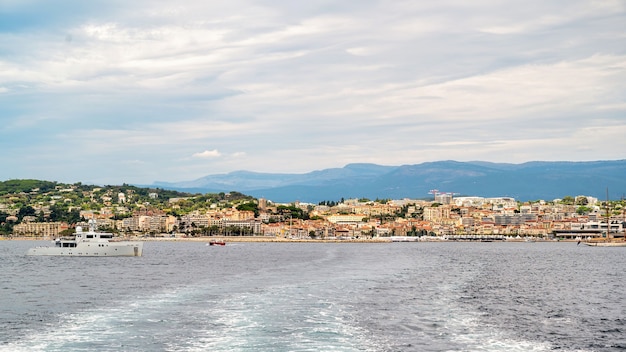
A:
92, 225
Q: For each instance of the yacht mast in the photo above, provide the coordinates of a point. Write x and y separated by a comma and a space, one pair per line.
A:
608, 219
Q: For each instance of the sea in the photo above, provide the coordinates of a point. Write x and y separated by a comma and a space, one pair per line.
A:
420, 296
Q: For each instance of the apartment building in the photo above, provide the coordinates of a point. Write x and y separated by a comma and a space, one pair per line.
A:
436, 213
40, 229
346, 218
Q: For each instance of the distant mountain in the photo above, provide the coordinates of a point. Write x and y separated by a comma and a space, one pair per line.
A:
527, 181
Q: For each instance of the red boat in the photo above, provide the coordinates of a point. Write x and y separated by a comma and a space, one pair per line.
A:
217, 243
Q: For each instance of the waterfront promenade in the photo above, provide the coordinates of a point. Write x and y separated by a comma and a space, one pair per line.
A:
234, 239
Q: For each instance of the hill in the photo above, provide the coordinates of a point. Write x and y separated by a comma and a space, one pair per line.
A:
527, 181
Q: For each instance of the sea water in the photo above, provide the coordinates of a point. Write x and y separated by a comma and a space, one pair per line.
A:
187, 296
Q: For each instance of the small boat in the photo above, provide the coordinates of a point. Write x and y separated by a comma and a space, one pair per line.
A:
217, 243
606, 243
90, 244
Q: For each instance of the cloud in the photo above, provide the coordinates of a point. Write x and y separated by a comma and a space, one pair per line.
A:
319, 84
208, 154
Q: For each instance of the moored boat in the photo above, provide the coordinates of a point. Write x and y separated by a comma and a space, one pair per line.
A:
606, 243
217, 243
90, 244
609, 240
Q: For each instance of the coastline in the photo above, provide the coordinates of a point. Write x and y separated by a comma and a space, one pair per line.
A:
256, 239
235, 239
215, 238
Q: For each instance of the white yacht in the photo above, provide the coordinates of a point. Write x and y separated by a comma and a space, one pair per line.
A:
90, 244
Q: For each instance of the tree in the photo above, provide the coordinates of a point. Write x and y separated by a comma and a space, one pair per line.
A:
214, 229
582, 201
66, 232
17, 186
249, 206
26, 211
292, 211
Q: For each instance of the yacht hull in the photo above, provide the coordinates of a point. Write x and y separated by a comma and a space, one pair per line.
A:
107, 249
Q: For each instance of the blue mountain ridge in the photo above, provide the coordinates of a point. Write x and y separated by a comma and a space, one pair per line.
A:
527, 181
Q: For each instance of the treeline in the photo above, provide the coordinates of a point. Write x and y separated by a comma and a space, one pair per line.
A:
19, 186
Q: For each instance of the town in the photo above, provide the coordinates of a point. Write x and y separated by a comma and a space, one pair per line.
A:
42, 209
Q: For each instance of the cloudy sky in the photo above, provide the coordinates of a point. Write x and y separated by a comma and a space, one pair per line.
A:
111, 92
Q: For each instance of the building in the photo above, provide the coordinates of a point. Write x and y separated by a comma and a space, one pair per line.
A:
253, 226
436, 213
346, 218
515, 219
39, 229
443, 198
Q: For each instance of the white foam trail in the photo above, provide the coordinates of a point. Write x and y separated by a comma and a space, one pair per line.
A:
92, 327
276, 320
468, 330
273, 319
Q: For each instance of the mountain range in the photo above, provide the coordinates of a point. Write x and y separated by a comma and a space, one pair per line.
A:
526, 181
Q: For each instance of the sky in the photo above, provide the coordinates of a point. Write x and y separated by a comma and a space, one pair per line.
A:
112, 92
